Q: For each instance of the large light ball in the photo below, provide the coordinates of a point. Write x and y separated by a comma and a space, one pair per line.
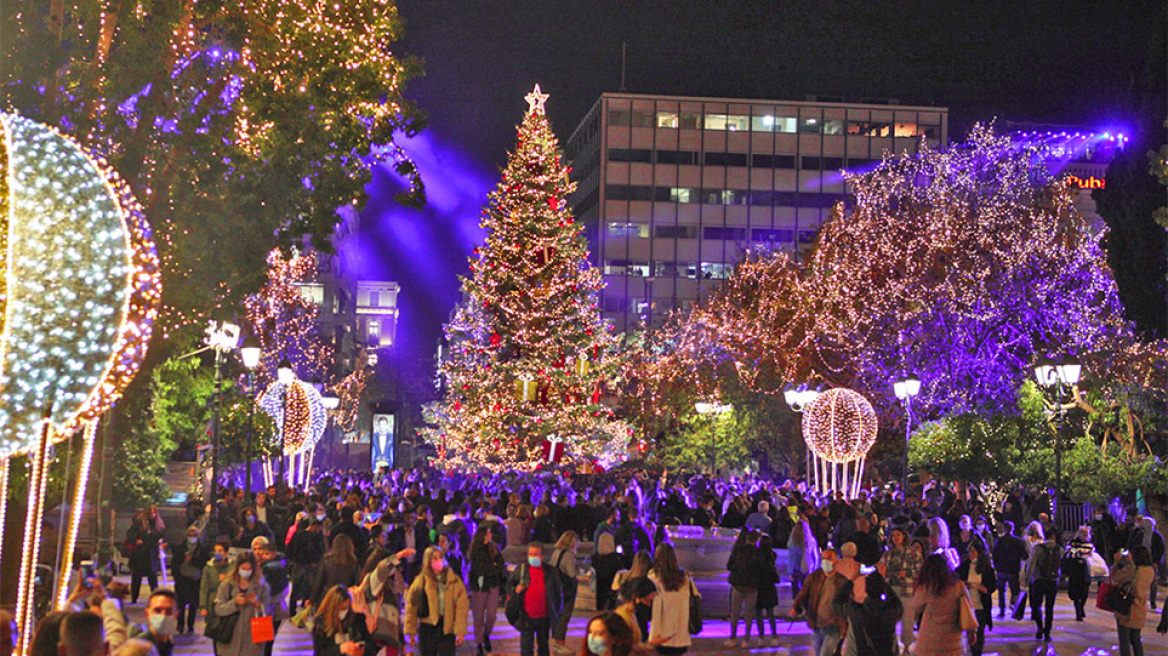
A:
300, 414
840, 425
80, 285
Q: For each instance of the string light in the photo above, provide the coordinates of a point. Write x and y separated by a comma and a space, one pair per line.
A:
5, 465
300, 416
530, 355
75, 512
840, 425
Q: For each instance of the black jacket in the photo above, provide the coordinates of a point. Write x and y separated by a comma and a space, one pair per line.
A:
873, 623
487, 566
1009, 554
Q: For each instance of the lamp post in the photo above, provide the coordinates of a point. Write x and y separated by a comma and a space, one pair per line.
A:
906, 388
250, 353
331, 402
712, 410
222, 338
1058, 374
286, 376
799, 397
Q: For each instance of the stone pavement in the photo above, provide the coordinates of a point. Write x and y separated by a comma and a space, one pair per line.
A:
1093, 637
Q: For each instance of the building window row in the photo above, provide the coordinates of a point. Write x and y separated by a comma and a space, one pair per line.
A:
713, 196
694, 158
669, 269
643, 118
711, 233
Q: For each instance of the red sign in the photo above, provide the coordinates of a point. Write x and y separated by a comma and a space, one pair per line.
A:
1090, 182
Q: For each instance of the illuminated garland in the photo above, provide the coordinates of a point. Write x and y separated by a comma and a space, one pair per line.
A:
302, 427
530, 355
81, 285
840, 426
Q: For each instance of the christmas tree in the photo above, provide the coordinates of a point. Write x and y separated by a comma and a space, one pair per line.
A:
530, 354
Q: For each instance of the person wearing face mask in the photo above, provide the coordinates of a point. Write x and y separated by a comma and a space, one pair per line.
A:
161, 623
977, 572
187, 560
437, 607
816, 599
215, 572
250, 528
538, 601
243, 592
608, 635
336, 629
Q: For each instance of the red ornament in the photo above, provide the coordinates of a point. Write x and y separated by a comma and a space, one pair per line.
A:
495, 339
457, 406
553, 203
551, 450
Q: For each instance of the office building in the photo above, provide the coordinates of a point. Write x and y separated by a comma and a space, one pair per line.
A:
673, 190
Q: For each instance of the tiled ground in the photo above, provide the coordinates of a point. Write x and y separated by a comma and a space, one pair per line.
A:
1093, 637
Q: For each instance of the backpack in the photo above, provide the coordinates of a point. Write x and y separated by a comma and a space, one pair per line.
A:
1047, 566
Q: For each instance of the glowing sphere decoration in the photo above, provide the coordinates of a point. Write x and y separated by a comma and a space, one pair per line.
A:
303, 425
80, 284
840, 426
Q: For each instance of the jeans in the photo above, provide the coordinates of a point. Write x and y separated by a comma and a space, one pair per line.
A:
824, 640
560, 628
484, 605
983, 618
433, 642
764, 613
1007, 580
136, 581
1042, 594
737, 601
1129, 641
536, 631
908, 620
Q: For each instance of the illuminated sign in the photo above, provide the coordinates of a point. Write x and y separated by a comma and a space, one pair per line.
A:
1090, 182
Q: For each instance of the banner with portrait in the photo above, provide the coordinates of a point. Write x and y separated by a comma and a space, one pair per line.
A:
382, 447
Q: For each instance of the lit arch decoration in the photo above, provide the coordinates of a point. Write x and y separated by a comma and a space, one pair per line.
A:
300, 430
81, 288
840, 428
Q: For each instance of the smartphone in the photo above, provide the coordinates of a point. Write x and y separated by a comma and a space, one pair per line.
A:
865, 570
85, 571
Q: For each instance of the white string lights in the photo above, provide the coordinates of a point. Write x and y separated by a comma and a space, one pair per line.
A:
840, 428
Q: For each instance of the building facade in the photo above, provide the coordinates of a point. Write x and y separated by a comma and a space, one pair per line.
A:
672, 191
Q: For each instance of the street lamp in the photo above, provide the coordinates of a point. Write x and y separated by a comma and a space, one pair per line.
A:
250, 352
905, 389
712, 410
1059, 374
331, 402
286, 376
222, 338
800, 397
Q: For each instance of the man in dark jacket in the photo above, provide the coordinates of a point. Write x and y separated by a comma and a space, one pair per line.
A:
1009, 553
868, 549
356, 533
412, 534
275, 572
304, 554
534, 601
872, 611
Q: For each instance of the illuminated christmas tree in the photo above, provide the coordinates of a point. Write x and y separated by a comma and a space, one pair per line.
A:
530, 353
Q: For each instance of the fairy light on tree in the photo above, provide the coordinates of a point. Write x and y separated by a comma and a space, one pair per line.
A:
530, 354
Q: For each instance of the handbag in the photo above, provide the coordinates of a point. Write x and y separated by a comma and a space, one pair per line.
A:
695, 610
300, 619
262, 629
968, 619
220, 628
1020, 606
1120, 600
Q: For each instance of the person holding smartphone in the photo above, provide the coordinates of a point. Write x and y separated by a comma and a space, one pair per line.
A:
246, 593
336, 629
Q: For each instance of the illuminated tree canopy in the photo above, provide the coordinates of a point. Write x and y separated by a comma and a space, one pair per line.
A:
238, 125
529, 352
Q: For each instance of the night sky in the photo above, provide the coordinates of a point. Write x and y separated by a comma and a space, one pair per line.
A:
1071, 62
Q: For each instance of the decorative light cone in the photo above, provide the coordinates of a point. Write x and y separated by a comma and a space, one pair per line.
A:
840, 425
80, 284
306, 418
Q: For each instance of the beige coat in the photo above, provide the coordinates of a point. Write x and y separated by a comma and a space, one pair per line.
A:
1140, 579
456, 602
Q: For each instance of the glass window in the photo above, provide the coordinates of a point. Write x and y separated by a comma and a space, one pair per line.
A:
629, 192
906, 130
689, 121
619, 117
772, 235
762, 198
668, 120
869, 129
724, 233
833, 126
623, 229
772, 123
674, 269
716, 270
732, 122
833, 163
807, 236
677, 157
726, 159
676, 231
811, 126
811, 163
615, 303
637, 269
630, 155
643, 118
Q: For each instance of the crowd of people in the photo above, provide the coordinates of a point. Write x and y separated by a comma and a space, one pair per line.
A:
376, 563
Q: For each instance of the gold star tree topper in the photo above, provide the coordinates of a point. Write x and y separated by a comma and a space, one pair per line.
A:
535, 100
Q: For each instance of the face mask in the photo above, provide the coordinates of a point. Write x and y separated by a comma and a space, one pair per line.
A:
534, 561
343, 613
320, 517
596, 645
250, 519
245, 573
1098, 517
827, 566
981, 527
437, 565
218, 557
164, 625
191, 539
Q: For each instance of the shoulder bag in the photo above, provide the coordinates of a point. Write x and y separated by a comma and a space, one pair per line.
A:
695, 610
968, 619
221, 628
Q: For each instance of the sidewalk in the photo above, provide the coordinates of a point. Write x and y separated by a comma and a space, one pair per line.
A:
1093, 637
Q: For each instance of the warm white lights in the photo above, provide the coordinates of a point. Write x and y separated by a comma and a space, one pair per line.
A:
840, 426
300, 414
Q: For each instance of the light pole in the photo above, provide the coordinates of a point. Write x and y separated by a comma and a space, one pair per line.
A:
331, 402
713, 410
250, 354
906, 388
799, 397
1059, 374
286, 376
222, 338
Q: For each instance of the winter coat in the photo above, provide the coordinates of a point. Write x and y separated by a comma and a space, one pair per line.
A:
453, 611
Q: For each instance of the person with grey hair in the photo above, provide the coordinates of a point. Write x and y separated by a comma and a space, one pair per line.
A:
760, 520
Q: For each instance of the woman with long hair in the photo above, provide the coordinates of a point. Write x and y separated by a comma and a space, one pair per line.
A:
642, 564
669, 628
980, 579
488, 572
336, 630
564, 561
744, 574
939, 542
338, 567
902, 565
936, 602
1034, 535
1133, 574
802, 554
436, 607
768, 591
608, 635
243, 592
1078, 573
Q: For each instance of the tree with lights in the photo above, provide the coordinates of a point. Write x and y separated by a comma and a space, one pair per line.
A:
231, 122
530, 354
